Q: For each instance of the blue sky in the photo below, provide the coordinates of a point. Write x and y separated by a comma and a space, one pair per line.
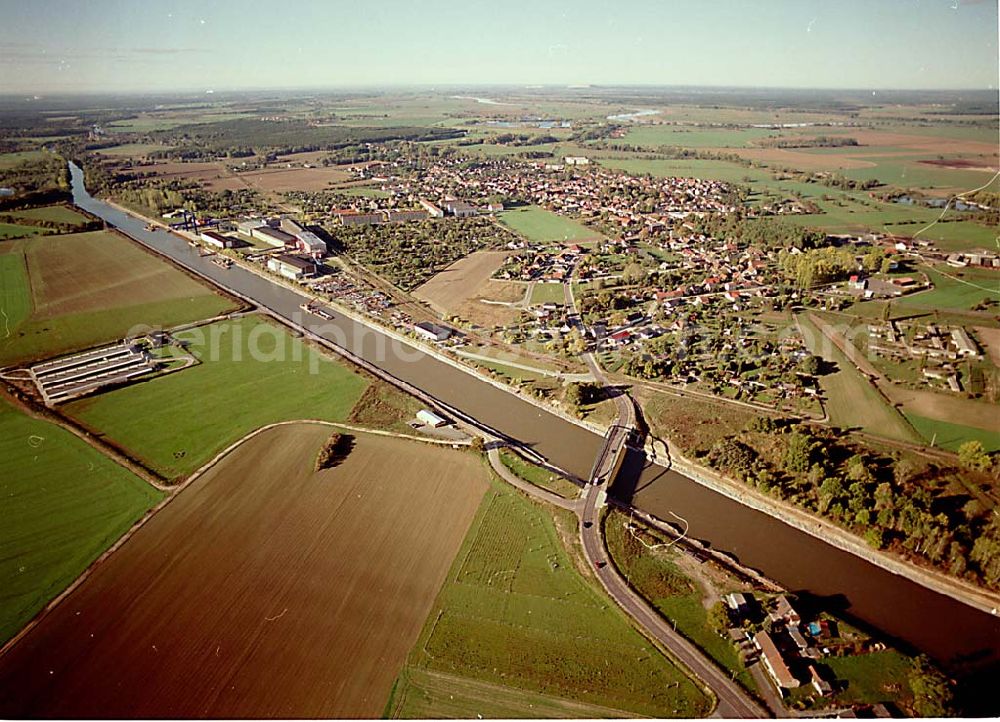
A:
114, 45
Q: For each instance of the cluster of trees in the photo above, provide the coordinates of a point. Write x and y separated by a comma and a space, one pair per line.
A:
835, 180
59, 226
521, 139
407, 254
334, 451
820, 141
246, 136
760, 232
817, 265
581, 393
35, 181
570, 344
933, 695
887, 500
645, 366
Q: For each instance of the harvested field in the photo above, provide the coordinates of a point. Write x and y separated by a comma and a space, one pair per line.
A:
476, 311
459, 290
215, 176
211, 175
989, 338
460, 281
288, 593
948, 407
961, 164
931, 144
86, 288
280, 180
93, 271
798, 158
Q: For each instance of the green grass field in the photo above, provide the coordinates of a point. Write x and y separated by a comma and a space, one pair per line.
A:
87, 288
538, 476
871, 678
851, 401
909, 173
9, 160
13, 230
547, 293
58, 214
514, 612
167, 121
961, 288
15, 295
719, 170
652, 136
127, 150
950, 436
540, 225
64, 503
252, 373
426, 694
511, 372
659, 580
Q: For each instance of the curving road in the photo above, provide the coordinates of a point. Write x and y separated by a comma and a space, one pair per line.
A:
796, 559
733, 702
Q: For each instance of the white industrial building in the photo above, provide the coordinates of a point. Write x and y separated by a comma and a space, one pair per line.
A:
292, 267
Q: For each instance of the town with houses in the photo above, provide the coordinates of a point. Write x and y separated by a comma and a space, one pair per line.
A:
660, 297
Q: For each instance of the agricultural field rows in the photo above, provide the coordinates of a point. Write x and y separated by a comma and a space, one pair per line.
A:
64, 504
516, 612
264, 589
87, 288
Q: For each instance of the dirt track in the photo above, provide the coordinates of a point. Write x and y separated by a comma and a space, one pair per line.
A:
263, 590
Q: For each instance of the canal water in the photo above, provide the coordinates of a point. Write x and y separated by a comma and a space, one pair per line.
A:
954, 633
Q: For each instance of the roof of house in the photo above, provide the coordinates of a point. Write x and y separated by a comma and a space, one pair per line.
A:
777, 663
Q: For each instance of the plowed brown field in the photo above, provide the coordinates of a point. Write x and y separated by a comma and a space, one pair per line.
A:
263, 590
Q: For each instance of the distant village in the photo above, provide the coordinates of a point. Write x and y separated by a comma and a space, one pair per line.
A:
659, 298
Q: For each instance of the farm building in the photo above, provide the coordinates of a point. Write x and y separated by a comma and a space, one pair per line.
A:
576, 160
962, 340
216, 239
431, 331
292, 266
73, 376
430, 418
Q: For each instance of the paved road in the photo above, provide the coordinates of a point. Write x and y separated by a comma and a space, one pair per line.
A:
733, 701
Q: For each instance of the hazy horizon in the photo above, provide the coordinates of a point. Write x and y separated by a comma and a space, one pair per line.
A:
108, 47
